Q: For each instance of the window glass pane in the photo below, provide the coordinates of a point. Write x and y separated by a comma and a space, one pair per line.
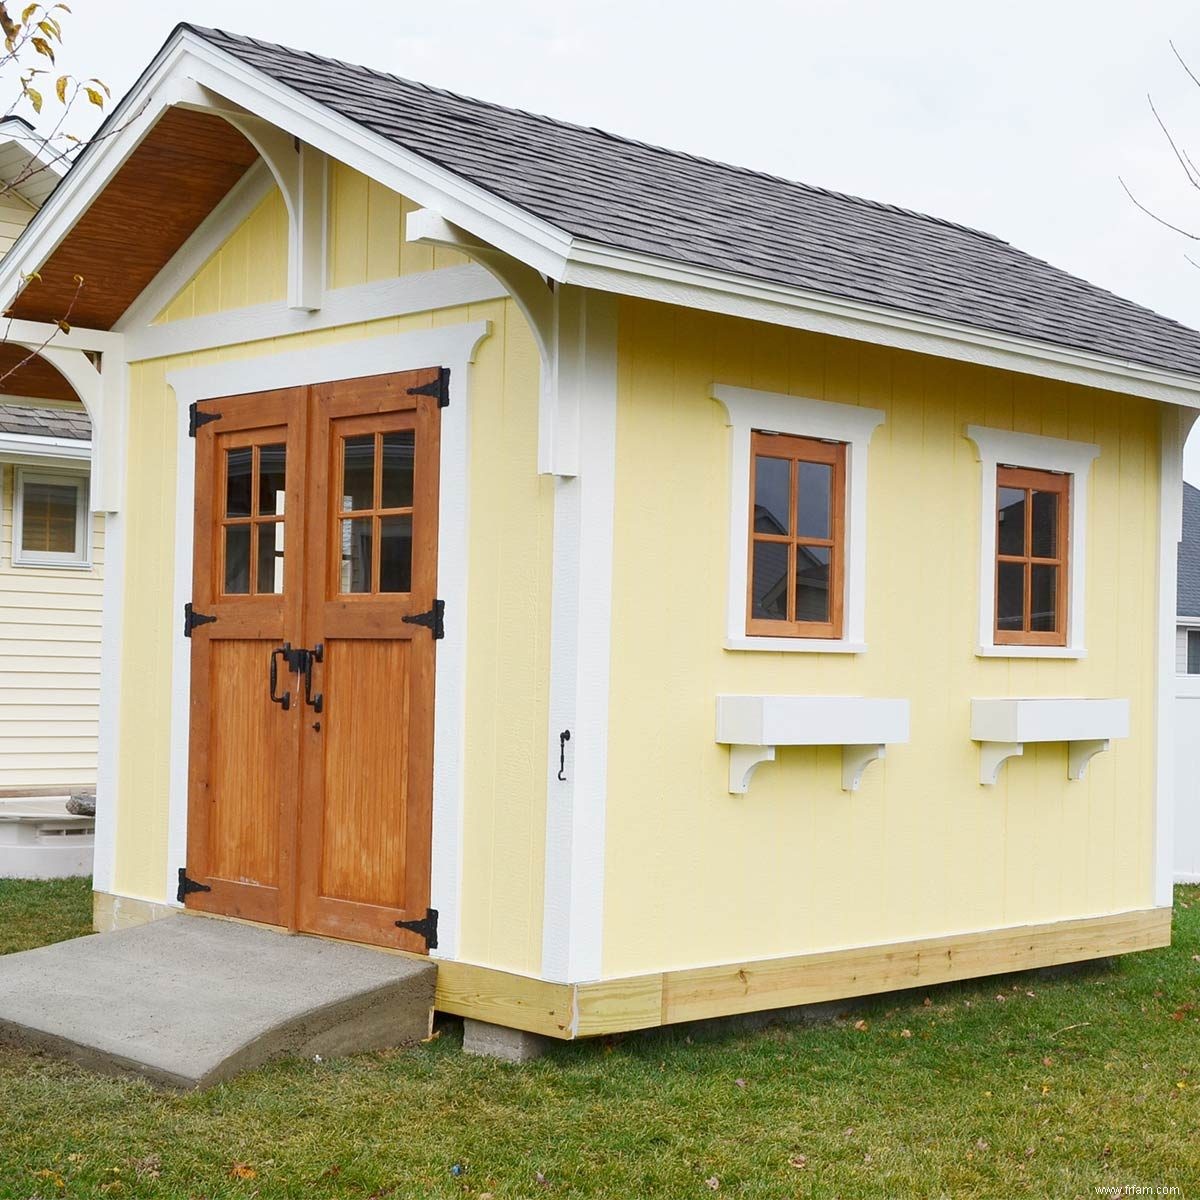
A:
1043, 598
814, 492
237, 560
1045, 525
812, 583
772, 494
269, 577
272, 482
1193, 652
356, 555
358, 472
48, 512
398, 471
238, 465
769, 589
1010, 596
395, 554
1010, 532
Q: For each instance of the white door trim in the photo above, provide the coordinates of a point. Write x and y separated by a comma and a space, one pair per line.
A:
453, 346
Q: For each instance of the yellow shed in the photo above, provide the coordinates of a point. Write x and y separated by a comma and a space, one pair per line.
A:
654, 589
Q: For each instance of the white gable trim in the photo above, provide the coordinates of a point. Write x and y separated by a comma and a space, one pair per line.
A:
452, 346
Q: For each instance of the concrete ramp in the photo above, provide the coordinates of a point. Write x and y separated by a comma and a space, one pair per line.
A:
190, 1001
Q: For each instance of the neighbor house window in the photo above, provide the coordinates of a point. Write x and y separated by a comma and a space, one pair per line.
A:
50, 525
1193, 651
797, 552
1032, 548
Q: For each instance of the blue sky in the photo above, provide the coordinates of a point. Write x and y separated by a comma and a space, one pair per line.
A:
1015, 118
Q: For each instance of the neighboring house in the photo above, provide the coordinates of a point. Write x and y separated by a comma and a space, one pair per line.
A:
1187, 656
512, 554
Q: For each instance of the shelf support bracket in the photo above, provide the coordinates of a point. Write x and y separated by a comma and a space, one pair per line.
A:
743, 762
1079, 754
993, 755
855, 760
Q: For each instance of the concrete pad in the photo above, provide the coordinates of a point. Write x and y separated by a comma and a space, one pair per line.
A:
190, 1001
498, 1041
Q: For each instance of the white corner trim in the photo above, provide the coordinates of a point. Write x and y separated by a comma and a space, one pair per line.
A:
112, 623
452, 346
1003, 447
426, 291
749, 409
580, 651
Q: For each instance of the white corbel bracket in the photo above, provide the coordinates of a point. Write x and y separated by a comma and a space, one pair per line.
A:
993, 755
745, 760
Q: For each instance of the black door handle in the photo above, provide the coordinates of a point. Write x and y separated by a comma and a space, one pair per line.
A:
284, 701
317, 702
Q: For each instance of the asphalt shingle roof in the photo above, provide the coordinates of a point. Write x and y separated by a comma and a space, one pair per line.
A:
1189, 554
636, 197
28, 421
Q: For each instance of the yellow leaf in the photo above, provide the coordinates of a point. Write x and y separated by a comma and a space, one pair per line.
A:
94, 96
60, 88
103, 86
242, 1171
63, 326
51, 28
30, 9
43, 47
35, 98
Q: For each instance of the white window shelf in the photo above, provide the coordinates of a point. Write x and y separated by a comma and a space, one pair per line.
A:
753, 726
1003, 727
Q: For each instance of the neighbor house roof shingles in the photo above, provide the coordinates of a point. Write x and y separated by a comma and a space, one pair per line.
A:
1189, 554
635, 197
26, 420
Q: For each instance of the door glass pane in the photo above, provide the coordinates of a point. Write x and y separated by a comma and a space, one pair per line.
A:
237, 560
272, 484
1045, 525
769, 588
269, 576
1010, 596
1193, 652
395, 554
398, 471
1043, 598
1010, 535
814, 490
48, 517
238, 465
356, 555
358, 473
812, 583
772, 485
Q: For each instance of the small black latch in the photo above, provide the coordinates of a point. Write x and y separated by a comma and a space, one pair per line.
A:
439, 387
426, 927
433, 619
192, 618
196, 418
187, 885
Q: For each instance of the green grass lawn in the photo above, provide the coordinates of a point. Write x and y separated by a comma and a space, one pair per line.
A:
1021, 1086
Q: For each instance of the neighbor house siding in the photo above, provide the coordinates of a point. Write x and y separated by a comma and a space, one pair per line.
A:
49, 664
15, 214
509, 569
696, 875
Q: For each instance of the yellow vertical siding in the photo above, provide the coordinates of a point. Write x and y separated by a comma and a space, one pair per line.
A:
49, 663
696, 875
503, 821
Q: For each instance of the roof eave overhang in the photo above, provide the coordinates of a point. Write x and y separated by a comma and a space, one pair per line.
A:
188, 60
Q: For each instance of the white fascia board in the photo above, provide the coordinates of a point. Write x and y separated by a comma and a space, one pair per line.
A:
652, 278
16, 447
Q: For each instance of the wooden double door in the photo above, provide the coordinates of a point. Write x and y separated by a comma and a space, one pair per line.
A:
313, 627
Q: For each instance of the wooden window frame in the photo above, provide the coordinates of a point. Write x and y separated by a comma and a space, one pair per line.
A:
1030, 480
81, 557
794, 449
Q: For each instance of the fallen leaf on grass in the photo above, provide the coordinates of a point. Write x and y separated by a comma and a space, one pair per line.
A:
433, 1037
799, 1161
540, 1179
712, 1183
739, 1083
51, 1177
241, 1170
981, 1145
150, 1166
906, 1033
861, 1026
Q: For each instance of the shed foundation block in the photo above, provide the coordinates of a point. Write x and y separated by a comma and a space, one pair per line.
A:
497, 1041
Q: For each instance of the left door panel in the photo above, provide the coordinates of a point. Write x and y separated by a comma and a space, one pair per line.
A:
245, 688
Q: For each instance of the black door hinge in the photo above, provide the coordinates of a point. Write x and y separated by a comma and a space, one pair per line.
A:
187, 885
426, 927
192, 618
439, 387
433, 619
196, 418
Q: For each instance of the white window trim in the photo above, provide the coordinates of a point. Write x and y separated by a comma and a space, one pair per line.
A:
749, 409
81, 559
997, 447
